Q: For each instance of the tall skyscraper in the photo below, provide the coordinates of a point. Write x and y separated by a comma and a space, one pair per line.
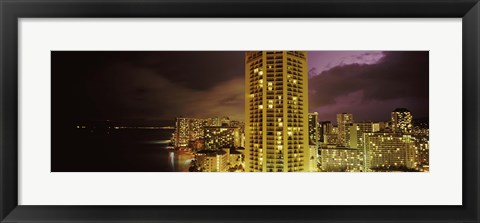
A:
325, 129
402, 121
313, 128
344, 120
276, 111
313, 139
187, 130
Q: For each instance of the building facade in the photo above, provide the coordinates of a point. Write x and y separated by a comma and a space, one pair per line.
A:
402, 121
335, 158
344, 120
218, 137
390, 151
325, 129
212, 160
187, 130
276, 111
313, 139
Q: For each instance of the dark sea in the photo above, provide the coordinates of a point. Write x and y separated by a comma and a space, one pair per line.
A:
118, 150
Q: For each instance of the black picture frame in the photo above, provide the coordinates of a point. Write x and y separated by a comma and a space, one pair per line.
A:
12, 10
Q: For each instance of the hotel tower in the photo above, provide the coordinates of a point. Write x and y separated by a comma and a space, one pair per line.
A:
276, 110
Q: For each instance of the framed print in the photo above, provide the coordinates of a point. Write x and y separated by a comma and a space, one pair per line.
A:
174, 111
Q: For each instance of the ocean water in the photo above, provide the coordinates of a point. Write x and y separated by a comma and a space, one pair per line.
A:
118, 150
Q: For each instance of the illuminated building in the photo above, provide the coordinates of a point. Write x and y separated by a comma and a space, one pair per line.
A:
401, 121
335, 158
422, 152
217, 137
343, 121
241, 127
390, 151
325, 129
276, 111
355, 131
313, 138
213, 121
352, 135
187, 130
182, 132
212, 160
331, 139
378, 126
313, 128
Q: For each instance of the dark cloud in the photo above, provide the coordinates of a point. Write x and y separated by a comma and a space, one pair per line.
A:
196, 70
399, 79
147, 85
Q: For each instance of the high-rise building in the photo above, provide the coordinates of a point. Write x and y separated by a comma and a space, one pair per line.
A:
343, 122
378, 126
355, 133
276, 111
313, 139
325, 129
188, 130
181, 132
390, 151
241, 127
422, 152
402, 121
313, 128
218, 137
331, 139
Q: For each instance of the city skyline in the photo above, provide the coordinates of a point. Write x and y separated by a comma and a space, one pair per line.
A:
139, 85
276, 120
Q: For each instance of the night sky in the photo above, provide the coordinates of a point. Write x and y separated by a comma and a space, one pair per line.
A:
164, 85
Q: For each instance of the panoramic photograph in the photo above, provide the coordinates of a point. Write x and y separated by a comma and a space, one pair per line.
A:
240, 111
